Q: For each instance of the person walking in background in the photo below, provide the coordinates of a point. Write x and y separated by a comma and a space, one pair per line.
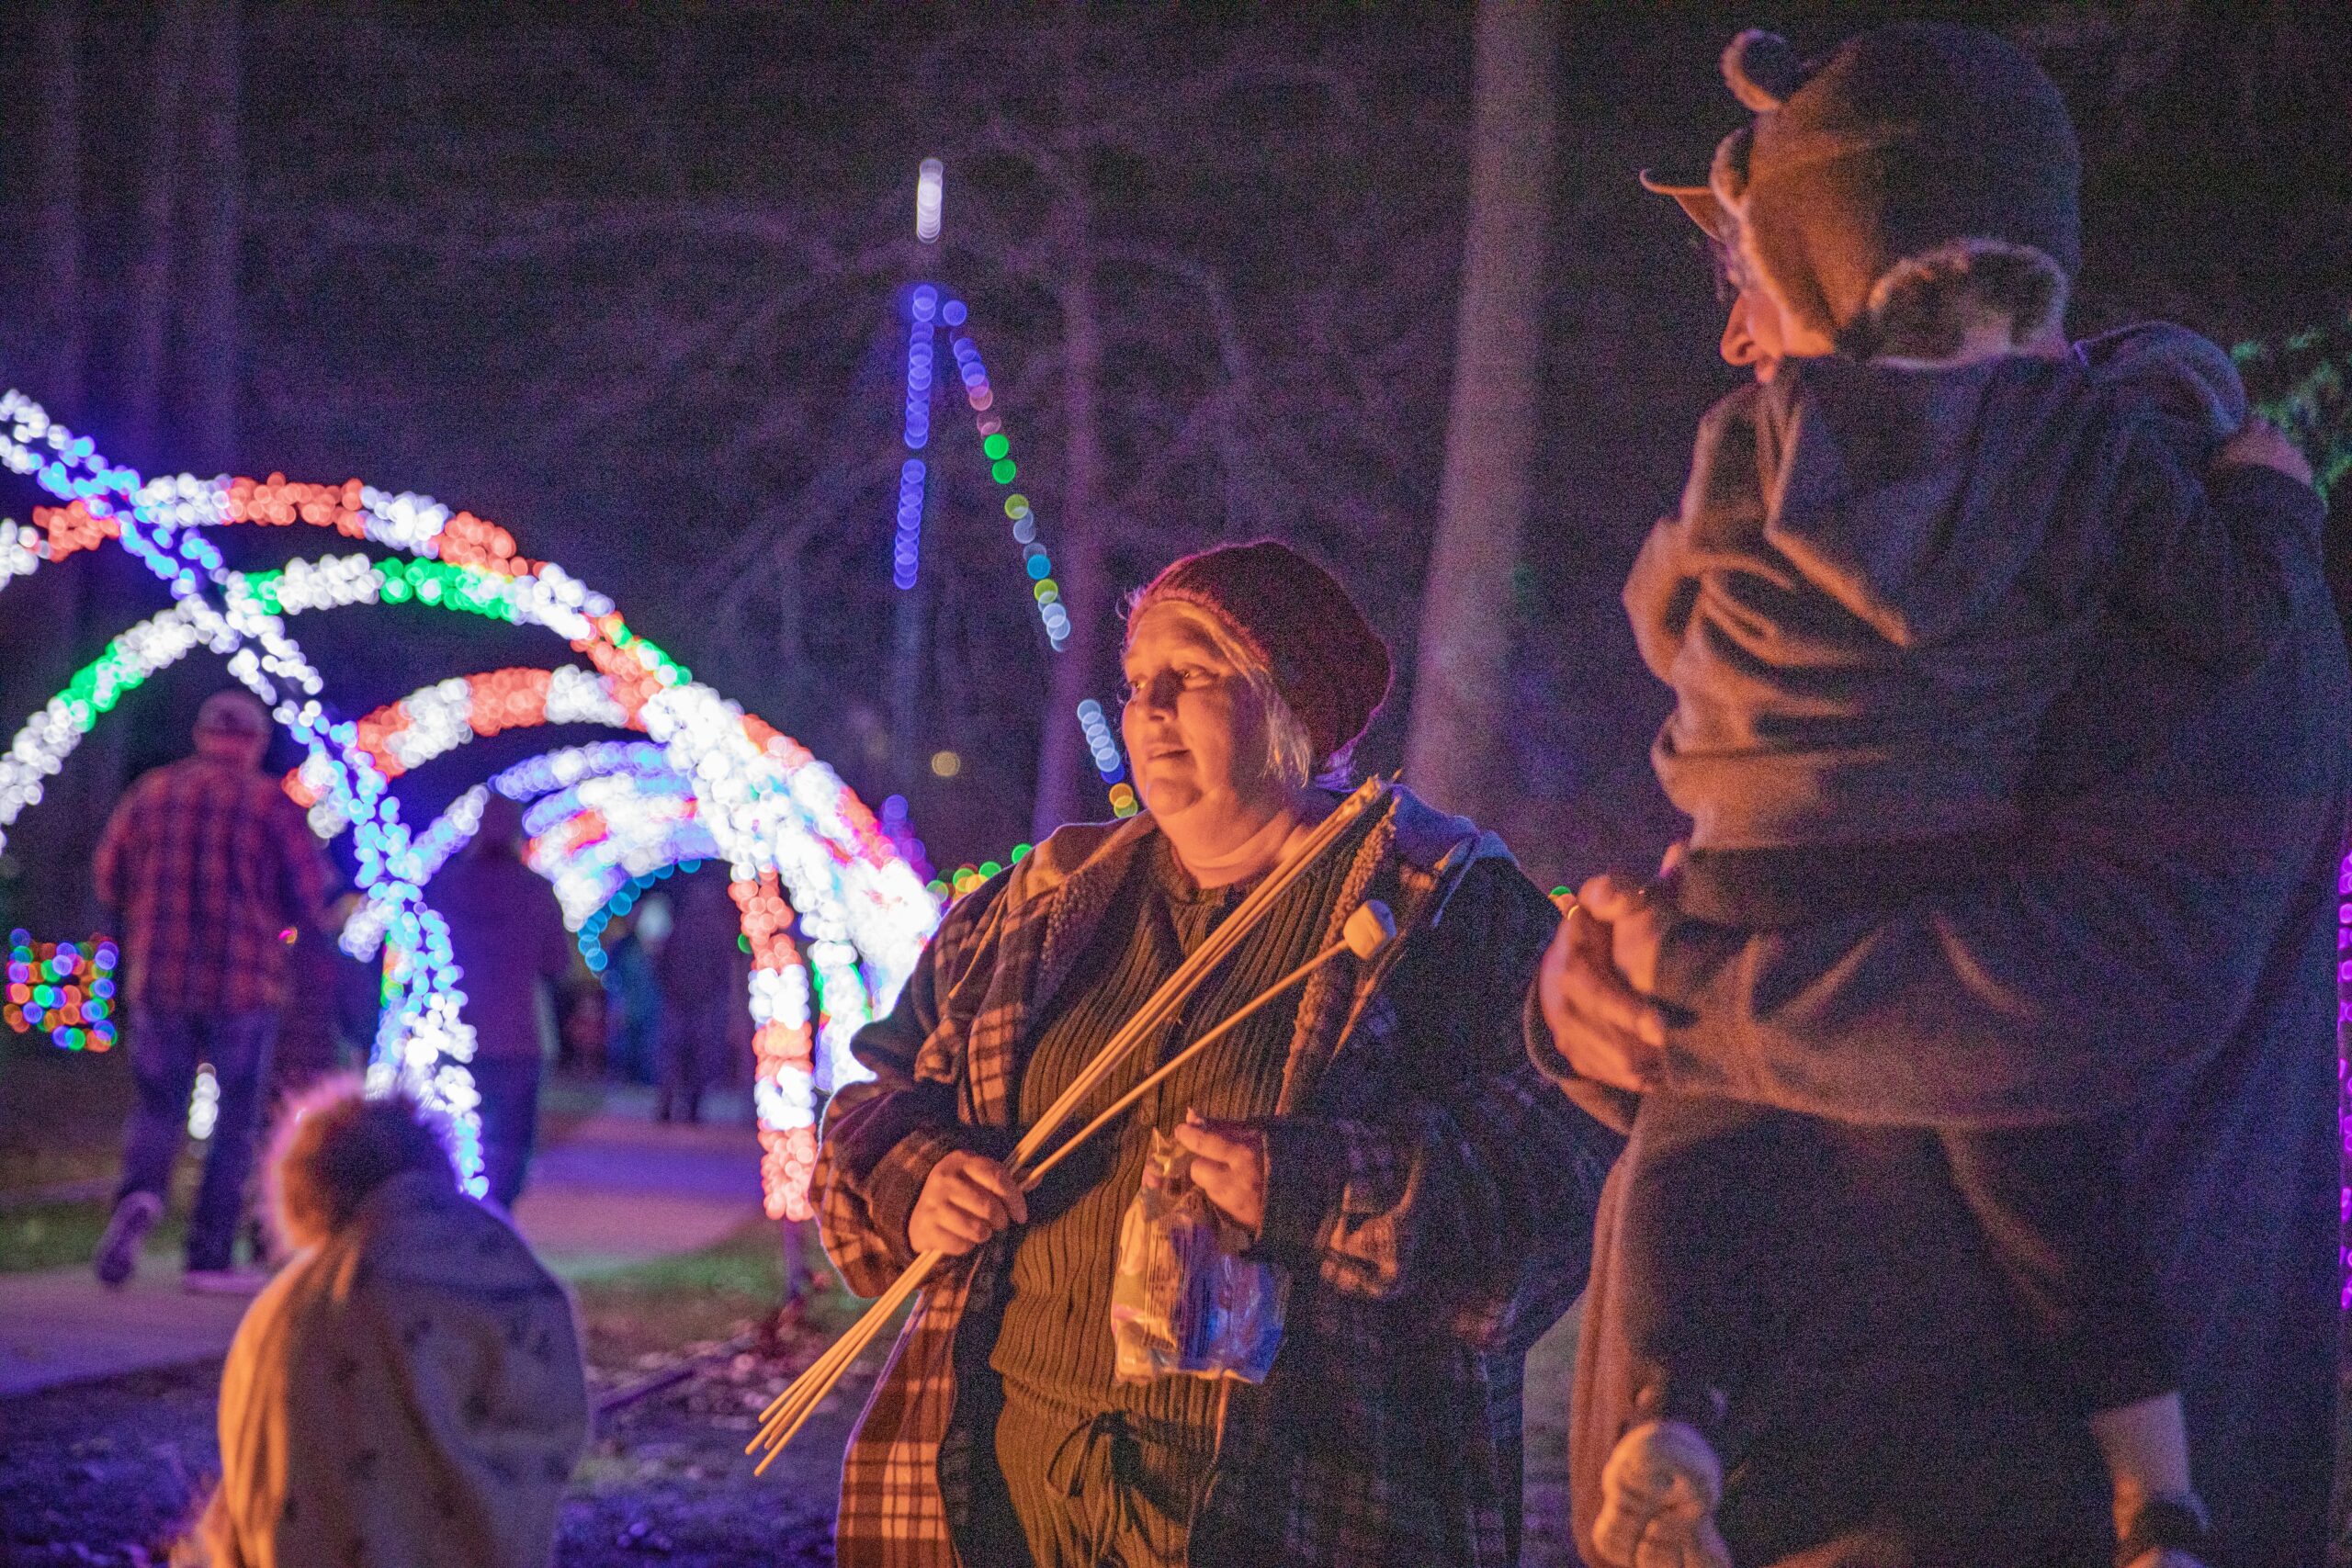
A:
579, 1023
633, 995
702, 987
408, 1393
315, 1037
507, 935
210, 866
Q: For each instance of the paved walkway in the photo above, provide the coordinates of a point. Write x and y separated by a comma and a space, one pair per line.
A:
614, 1191
606, 1192
60, 1325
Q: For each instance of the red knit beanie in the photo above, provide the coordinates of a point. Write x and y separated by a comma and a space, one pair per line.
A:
1328, 664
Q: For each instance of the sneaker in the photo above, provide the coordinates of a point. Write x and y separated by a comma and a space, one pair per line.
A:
224, 1281
1658, 1493
118, 1255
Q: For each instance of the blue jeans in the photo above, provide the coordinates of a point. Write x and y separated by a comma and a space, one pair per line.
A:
509, 1087
165, 1050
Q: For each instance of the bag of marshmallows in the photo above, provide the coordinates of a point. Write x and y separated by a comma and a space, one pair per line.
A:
1182, 1305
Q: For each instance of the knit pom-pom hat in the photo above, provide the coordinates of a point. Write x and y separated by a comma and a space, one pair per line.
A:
1293, 616
1906, 138
334, 1146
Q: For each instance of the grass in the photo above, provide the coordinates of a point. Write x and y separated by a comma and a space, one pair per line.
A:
57, 1235
698, 1298
700, 1295
60, 1112
62, 1115
60, 1123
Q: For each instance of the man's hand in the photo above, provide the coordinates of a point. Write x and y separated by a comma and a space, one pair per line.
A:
2261, 446
1635, 921
966, 1201
1605, 1030
1229, 1166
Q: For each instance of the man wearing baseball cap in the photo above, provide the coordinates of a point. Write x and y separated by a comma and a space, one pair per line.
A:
208, 865
2164, 921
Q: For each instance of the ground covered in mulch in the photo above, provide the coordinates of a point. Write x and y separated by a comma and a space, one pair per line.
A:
110, 1472
667, 1477
104, 1472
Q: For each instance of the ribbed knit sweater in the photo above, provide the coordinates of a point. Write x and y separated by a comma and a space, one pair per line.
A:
1054, 1344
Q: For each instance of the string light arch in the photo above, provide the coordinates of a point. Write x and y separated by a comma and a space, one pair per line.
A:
780, 818
599, 818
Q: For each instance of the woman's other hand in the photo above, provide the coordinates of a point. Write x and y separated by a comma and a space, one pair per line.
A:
967, 1200
2262, 445
1229, 1167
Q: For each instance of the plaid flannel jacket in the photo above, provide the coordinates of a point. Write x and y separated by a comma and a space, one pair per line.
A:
207, 865
1430, 1194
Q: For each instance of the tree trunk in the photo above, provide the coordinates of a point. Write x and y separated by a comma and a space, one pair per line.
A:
1080, 570
1461, 688
55, 844
208, 310
911, 610
56, 210
147, 338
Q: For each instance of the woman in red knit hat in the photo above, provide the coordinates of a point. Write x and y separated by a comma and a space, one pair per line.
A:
1380, 1144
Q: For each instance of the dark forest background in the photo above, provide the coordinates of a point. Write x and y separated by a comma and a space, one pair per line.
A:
630, 280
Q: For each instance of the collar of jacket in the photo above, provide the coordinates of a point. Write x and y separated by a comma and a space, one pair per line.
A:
1426, 838
1412, 854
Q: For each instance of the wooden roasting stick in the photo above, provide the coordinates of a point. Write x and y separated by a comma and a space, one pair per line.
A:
1368, 930
790, 1411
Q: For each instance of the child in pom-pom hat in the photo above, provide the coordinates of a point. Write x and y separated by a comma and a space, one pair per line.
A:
408, 1393
1890, 561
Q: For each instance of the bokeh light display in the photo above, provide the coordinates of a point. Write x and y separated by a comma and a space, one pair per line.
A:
63, 989
604, 822
967, 876
930, 192
928, 313
1108, 762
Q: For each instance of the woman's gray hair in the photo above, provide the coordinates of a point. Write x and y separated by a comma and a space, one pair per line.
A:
1290, 750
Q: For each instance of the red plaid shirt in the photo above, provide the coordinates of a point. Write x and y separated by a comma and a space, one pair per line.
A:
207, 865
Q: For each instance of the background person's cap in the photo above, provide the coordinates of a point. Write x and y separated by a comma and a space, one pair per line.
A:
234, 712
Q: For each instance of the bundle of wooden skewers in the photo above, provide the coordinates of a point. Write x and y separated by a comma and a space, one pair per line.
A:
1367, 929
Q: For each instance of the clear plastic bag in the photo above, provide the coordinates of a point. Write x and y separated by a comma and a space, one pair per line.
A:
1183, 1305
